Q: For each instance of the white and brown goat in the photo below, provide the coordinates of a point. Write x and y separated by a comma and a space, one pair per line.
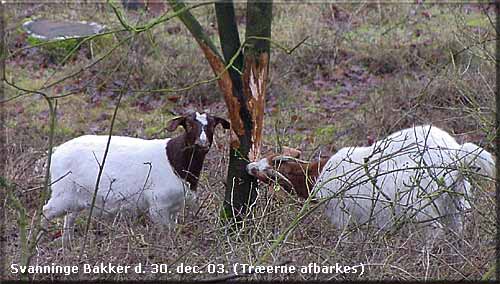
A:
417, 174
151, 176
289, 171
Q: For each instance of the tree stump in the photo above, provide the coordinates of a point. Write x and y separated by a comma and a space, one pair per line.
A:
63, 35
60, 30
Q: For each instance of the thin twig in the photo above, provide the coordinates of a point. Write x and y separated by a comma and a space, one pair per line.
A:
101, 166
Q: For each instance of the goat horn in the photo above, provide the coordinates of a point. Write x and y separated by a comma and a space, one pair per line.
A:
288, 158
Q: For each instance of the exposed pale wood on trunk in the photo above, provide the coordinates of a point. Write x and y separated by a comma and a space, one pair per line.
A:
255, 78
244, 94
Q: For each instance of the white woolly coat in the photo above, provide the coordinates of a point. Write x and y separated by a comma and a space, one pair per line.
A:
137, 177
416, 174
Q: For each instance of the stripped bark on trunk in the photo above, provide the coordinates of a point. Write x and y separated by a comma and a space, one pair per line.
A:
243, 86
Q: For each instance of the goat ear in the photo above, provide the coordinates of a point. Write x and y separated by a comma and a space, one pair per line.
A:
225, 124
292, 152
174, 123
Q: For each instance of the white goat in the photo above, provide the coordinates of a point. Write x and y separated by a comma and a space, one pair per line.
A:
417, 174
153, 176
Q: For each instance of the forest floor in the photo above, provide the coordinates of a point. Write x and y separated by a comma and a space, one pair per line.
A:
365, 71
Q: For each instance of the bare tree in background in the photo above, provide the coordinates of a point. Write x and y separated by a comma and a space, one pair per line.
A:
243, 85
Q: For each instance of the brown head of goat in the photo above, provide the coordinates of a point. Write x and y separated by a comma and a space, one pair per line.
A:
287, 170
187, 151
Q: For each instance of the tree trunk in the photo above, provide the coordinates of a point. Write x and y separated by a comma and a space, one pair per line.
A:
241, 187
244, 92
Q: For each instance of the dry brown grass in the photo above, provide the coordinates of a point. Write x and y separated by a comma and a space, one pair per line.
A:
362, 74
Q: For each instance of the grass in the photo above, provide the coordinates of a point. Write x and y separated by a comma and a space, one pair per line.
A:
365, 71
